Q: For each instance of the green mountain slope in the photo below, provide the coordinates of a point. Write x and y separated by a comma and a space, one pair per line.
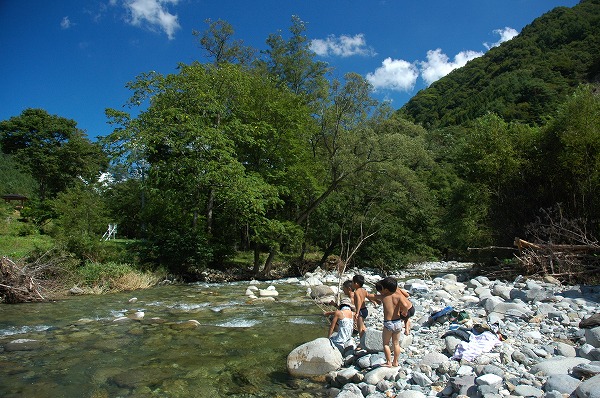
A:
524, 79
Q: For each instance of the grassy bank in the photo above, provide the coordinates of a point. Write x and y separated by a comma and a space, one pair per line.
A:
30, 256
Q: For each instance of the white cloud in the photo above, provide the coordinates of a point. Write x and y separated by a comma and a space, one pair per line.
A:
65, 23
153, 13
439, 65
505, 35
394, 74
342, 46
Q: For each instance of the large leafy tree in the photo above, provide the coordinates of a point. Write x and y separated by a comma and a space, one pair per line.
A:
51, 149
226, 150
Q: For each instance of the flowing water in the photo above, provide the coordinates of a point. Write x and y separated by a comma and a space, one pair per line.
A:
238, 350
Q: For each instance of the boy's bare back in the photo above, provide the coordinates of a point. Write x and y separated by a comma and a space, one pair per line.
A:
395, 305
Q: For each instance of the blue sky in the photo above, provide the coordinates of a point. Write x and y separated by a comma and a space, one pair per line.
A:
74, 57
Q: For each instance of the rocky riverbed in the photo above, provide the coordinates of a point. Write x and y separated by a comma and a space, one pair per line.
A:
513, 338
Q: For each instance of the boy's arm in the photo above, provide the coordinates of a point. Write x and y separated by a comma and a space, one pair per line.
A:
405, 293
374, 298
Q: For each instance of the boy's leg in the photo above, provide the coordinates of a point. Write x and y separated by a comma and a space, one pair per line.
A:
386, 336
360, 324
396, 345
407, 326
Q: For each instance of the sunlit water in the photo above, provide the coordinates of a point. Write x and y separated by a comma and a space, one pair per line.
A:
238, 350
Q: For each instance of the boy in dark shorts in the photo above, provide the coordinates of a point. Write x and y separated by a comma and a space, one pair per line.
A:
360, 295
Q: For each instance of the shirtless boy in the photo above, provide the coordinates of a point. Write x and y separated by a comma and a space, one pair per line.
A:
360, 294
396, 308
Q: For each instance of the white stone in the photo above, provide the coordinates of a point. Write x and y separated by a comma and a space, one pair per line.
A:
488, 380
268, 293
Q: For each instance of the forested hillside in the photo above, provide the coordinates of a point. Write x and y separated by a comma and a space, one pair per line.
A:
524, 79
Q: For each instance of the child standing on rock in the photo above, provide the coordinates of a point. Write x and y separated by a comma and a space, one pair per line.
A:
396, 309
360, 296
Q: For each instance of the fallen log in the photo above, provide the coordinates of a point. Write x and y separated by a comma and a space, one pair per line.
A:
521, 244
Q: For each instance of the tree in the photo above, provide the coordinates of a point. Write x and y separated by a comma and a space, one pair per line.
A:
81, 219
52, 149
293, 63
217, 41
13, 179
226, 150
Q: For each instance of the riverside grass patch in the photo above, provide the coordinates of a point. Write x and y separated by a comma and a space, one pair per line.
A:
100, 278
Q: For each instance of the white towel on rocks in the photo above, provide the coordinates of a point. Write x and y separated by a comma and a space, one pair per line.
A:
477, 344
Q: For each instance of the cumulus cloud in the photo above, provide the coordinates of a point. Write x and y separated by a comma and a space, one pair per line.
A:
439, 65
65, 23
394, 74
153, 13
505, 35
342, 46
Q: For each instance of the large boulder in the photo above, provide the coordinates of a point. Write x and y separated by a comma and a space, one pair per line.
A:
315, 358
557, 365
372, 340
321, 291
592, 336
589, 388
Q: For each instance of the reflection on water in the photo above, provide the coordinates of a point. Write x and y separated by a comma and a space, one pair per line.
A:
235, 349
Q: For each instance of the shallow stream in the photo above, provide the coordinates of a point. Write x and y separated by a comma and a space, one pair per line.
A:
238, 350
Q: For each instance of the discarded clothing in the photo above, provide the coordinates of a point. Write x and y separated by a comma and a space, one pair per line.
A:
440, 316
462, 333
477, 345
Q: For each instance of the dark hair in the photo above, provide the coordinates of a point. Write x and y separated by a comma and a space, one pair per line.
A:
389, 283
347, 284
359, 280
378, 286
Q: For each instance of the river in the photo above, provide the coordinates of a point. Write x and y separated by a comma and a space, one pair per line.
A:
239, 348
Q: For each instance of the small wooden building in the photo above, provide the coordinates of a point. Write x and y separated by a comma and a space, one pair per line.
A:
13, 197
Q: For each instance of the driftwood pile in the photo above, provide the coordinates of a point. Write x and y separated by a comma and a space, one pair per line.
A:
16, 284
567, 262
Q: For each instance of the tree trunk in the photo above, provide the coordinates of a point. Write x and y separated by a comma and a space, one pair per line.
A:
256, 268
269, 262
328, 252
209, 210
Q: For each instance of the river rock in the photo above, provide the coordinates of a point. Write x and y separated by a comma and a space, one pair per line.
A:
562, 383
586, 370
315, 358
268, 293
589, 388
350, 391
321, 291
434, 359
557, 365
564, 349
525, 390
410, 394
345, 376
592, 336
590, 322
23, 345
376, 375
76, 291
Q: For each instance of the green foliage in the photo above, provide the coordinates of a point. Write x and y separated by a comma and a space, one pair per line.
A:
101, 273
13, 179
524, 79
51, 149
18, 237
572, 138
81, 220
